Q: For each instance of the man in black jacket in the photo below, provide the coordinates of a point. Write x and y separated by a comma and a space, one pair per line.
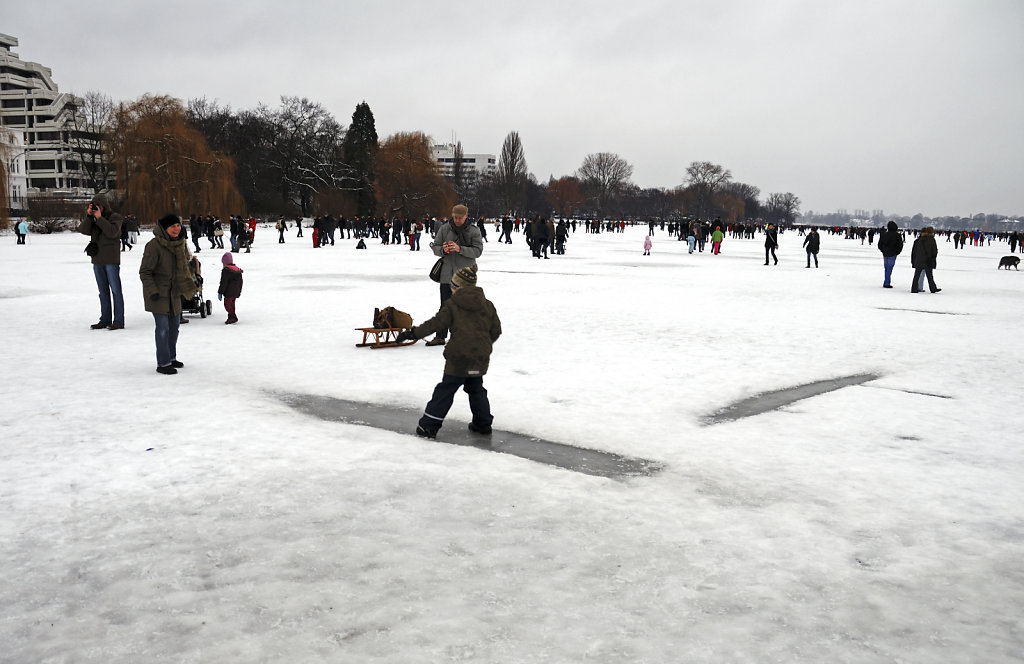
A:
890, 243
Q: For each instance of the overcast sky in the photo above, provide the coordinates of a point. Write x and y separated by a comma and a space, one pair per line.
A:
906, 106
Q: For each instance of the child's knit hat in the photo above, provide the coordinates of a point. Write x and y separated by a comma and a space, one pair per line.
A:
226, 259
465, 277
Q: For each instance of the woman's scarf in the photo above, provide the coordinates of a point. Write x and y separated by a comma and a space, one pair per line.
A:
182, 271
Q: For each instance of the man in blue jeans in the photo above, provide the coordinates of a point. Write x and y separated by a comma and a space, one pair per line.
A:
104, 230
890, 243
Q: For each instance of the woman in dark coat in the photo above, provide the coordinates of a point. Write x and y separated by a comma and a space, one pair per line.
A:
166, 278
771, 243
923, 256
812, 242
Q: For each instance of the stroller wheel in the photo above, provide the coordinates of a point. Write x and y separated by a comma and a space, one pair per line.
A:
209, 308
202, 310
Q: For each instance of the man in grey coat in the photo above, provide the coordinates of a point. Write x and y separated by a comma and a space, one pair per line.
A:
459, 244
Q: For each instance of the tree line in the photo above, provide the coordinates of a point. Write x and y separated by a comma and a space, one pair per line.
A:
297, 158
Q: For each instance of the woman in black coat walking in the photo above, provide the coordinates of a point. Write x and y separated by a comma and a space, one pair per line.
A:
812, 242
923, 256
771, 243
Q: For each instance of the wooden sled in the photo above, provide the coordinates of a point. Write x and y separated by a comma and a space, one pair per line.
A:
383, 337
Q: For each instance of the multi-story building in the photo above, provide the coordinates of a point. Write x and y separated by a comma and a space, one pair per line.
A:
473, 165
31, 104
12, 160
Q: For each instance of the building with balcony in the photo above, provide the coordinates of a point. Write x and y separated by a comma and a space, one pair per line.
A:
473, 165
31, 104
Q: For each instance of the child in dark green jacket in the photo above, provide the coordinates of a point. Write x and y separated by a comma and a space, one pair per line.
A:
474, 326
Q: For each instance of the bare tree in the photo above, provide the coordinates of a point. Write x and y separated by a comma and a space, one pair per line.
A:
747, 193
306, 150
164, 165
704, 180
511, 174
565, 195
604, 175
782, 208
408, 183
88, 133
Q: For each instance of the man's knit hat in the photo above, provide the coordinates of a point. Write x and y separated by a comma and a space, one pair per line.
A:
464, 277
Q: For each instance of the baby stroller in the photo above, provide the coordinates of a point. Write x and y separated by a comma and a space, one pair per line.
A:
196, 305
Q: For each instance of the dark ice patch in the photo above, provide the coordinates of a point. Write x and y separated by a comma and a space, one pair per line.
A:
776, 399
403, 420
922, 311
382, 278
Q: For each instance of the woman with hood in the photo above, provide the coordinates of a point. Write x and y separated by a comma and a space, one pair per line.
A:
166, 278
230, 286
923, 257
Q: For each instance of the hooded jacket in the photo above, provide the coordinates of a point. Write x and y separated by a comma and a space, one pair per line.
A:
230, 278
925, 252
105, 231
889, 241
160, 273
474, 326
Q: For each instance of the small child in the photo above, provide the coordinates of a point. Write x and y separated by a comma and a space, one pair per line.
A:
230, 286
475, 327
647, 245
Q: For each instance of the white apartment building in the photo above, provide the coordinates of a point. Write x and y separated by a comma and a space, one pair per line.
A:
31, 104
474, 165
12, 159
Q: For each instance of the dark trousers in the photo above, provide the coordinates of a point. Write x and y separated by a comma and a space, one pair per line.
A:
770, 250
446, 292
915, 285
444, 394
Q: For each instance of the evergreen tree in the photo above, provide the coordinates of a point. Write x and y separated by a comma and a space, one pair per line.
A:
360, 149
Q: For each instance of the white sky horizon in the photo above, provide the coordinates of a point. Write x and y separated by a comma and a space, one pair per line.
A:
909, 107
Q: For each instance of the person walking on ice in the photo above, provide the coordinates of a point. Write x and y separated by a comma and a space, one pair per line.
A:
475, 327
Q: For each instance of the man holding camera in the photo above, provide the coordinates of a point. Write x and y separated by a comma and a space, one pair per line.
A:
460, 244
104, 230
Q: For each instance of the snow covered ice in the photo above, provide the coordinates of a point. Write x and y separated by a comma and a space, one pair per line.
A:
196, 518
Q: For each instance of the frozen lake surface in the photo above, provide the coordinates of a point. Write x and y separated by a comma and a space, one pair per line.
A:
840, 475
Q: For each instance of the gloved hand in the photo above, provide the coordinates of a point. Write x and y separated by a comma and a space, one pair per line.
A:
220, 296
407, 335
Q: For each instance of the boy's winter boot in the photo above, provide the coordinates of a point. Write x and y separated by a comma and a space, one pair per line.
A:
480, 429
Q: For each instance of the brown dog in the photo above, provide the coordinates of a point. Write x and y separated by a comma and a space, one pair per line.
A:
1008, 261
